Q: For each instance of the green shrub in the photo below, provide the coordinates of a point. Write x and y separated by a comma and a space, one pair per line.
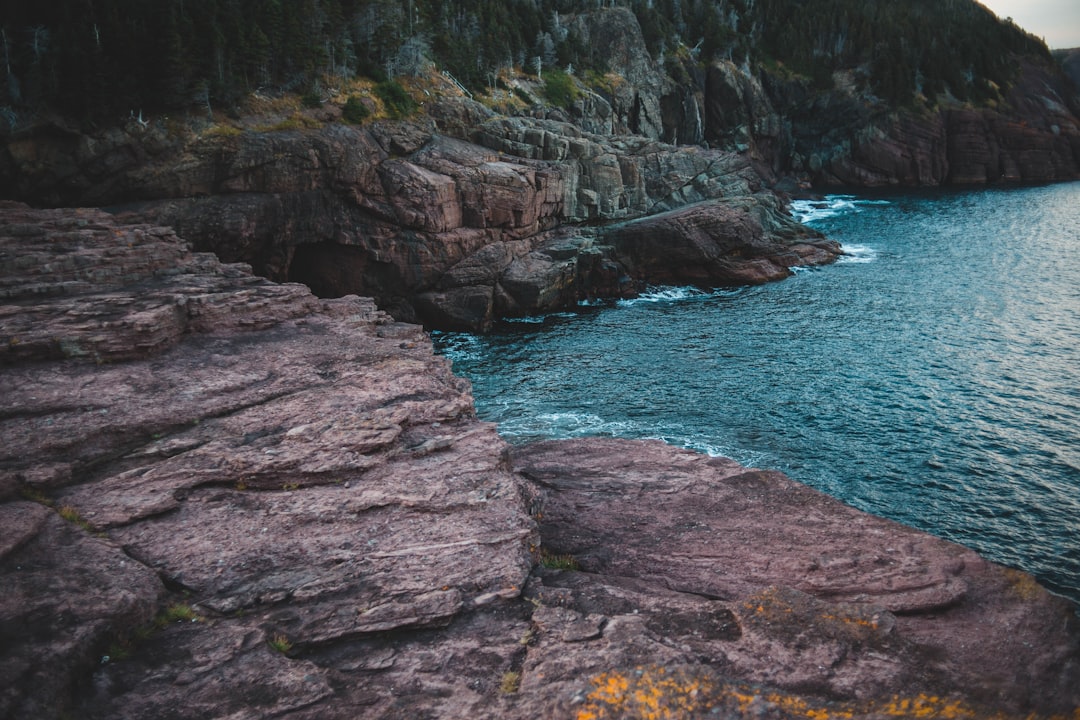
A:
355, 111
397, 100
560, 88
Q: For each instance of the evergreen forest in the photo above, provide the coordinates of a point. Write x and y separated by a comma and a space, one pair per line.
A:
96, 58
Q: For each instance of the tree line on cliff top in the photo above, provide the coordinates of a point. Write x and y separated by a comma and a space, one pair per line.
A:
95, 58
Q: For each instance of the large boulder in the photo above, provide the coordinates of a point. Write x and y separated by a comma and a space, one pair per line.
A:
697, 587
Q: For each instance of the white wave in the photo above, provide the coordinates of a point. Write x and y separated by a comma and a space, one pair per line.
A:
538, 319
571, 419
554, 424
583, 424
808, 211
665, 294
857, 254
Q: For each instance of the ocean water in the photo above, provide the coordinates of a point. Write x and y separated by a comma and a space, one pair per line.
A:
931, 375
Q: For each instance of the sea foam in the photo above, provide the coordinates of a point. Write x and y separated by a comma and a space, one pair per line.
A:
809, 211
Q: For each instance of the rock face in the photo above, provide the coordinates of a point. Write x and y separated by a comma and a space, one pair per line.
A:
283, 465
460, 216
722, 581
842, 137
224, 498
454, 232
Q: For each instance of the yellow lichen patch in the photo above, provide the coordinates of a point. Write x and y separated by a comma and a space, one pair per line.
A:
871, 622
767, 604
927, 706
1023, 585
747, 700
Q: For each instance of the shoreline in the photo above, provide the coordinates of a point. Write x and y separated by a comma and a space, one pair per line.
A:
255, 501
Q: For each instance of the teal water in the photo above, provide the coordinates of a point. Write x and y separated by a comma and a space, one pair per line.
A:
931, 376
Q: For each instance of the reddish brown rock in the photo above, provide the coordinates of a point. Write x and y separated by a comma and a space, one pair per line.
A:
287, 467
691, 561
66, 596
402, 211
1033, 137
716, 243
285, 508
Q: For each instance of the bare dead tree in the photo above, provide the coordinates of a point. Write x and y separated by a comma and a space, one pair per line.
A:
39, 41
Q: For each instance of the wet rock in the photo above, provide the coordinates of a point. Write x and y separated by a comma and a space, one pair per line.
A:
715, 243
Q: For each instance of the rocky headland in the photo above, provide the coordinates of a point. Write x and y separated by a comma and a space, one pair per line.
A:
223, 497
231, 487
467, 211
454, 219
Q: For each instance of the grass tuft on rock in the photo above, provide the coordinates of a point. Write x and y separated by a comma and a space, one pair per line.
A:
558, 562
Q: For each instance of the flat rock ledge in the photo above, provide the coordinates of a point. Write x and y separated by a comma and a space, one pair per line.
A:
221, 497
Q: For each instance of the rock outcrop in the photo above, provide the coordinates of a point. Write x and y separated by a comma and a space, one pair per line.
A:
743, 576
844, 137
223, 497
513, 217
460, 215
279, 465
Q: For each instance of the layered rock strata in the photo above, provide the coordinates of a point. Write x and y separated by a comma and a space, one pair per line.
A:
455, 220
188, 434
223, 498
845, 137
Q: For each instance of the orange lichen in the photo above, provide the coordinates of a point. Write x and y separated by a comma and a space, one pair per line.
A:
871, 623
645, 694
928, 706
657, 694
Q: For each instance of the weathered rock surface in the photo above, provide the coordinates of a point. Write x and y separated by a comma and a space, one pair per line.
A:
224, 498
413, 213
406, 212
284, 465
842, 137
729, 575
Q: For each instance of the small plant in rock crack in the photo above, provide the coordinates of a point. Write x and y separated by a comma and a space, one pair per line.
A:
280, 643
511, 682
558, 562
177, 612
72, 516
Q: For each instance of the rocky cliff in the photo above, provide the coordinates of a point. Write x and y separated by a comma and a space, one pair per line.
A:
455, 218
461, 214
223, 497
840, 133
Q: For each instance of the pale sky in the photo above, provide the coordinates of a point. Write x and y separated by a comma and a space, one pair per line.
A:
1055, 21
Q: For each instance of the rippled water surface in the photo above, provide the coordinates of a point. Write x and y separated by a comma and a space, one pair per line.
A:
931, 376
